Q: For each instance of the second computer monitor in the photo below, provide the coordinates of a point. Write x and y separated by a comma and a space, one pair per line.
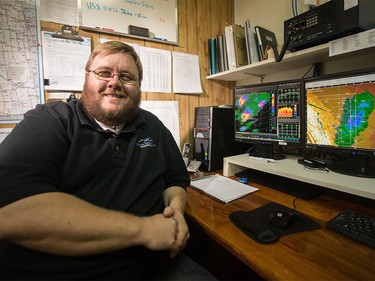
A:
340, 119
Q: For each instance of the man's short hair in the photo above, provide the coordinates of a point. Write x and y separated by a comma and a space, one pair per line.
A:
116, 47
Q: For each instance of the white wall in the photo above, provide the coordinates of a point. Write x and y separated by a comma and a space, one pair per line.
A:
269, 14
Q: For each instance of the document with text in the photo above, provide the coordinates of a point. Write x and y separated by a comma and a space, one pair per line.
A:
222, 188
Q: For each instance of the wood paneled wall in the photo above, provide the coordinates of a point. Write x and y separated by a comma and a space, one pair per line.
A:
198, 20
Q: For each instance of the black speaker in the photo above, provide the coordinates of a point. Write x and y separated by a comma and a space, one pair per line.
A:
214, 137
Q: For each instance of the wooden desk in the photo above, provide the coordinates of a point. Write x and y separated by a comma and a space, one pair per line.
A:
310, 255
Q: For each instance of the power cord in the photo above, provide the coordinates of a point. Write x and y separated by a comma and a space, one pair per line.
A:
294, 203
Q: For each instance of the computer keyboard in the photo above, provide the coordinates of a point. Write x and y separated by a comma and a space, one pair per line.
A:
356, 226
290, 186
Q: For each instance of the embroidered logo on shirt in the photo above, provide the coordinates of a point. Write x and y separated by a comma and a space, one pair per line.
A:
148, 142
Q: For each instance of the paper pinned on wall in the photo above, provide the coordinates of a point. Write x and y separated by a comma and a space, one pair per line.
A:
65, 12
157, 70
351, 43
4, 132
186, 75
64, 62
167, 112
157, 74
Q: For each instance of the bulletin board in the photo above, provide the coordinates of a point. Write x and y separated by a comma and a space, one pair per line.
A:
159, 16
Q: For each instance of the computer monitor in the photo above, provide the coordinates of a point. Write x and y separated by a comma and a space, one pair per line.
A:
269, 115
340, 118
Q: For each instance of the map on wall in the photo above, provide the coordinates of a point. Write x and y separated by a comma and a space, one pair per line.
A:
20, 88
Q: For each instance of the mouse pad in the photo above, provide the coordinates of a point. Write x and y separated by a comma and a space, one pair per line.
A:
299, 223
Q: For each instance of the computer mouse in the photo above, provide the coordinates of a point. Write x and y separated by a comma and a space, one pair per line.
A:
253, 227
281, 217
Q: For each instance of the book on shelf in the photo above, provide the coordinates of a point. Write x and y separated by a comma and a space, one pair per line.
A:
227, 51
265, 39
229, 39
222, 58
240, 45
217, 55
251, 45
223, 52
211, 56
222, 188
236, 46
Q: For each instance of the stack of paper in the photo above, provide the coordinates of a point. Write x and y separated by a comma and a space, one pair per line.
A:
222, 188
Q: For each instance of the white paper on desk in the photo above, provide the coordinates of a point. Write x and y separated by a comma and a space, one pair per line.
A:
186, 75
223, 188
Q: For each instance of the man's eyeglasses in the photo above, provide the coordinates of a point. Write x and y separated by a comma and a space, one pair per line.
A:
106, 75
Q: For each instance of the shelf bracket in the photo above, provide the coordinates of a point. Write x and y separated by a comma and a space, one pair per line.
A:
260, 76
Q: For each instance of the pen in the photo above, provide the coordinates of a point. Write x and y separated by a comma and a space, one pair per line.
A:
268, 160
158, 38
104, 28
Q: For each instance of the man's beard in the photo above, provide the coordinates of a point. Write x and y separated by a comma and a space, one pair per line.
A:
92, 104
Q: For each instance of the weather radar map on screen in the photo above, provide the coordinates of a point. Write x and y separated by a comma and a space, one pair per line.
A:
268, 114
340, 113
255, 114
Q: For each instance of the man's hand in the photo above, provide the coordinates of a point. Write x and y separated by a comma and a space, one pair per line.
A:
159, 232
182, 230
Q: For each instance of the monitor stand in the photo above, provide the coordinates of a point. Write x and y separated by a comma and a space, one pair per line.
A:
267, 151
354, 165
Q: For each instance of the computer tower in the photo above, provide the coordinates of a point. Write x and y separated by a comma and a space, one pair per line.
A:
214, 137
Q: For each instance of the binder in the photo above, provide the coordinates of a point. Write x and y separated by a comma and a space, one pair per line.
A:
240, 45
212, 52
229, 38
251, 45
266, 39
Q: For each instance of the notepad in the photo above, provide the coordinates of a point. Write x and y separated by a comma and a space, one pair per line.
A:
222, 188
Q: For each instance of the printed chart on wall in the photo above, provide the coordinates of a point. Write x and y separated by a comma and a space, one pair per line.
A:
159, 16
19, 59
64, 62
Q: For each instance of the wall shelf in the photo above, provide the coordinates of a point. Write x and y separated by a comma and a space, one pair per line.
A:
305, 57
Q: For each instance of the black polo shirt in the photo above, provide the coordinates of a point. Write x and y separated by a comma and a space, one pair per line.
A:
58, 148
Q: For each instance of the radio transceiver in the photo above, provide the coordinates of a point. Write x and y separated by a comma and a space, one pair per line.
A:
329, 21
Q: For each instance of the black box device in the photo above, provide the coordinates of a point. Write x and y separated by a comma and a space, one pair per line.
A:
329, 21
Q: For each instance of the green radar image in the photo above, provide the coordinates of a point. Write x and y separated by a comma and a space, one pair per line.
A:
354, 118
